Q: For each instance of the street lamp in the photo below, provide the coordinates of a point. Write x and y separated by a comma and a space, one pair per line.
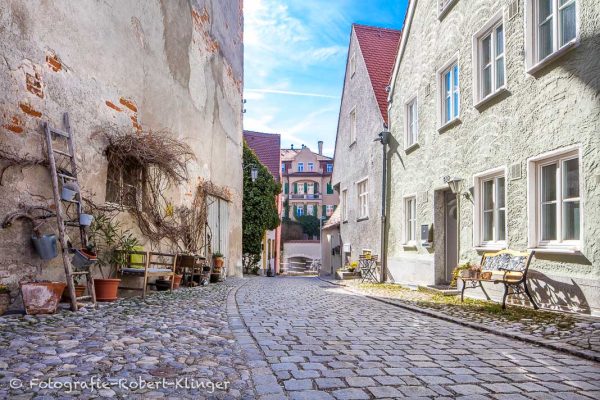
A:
254, 173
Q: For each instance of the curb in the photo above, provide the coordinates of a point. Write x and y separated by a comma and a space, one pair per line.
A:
562, 347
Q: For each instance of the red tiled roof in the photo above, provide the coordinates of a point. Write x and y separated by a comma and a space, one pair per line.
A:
379, 47
266, 146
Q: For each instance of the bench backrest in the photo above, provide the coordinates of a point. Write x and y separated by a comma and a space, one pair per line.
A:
506, 260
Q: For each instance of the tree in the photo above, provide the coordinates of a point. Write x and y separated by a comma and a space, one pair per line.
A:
259, 208
311, 225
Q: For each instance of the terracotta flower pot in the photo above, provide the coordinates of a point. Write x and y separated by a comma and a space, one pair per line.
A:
79, 290
219, 261
177, 281
41, 297
106, 289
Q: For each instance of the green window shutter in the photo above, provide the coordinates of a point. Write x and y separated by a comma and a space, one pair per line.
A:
295, 210
287, 188
329, 189
324, 211
295, 188
305, 209
316, 188
305, 187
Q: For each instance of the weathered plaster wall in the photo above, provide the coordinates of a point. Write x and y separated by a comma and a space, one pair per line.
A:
172, 65
354, 162
556, 107
310, 249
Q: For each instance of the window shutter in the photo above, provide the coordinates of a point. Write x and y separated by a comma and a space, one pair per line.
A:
324, 211
305, 209
295, 210
305, 187
295, 188
329, 188
316, 188
287, 188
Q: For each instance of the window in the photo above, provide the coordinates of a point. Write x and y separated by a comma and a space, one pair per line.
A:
299, 211
411, 124
557, 211
345, 205
310, 210
300, 167
363, 199
353, 64
551, 27
329, 188
124, 184
301, 188
311, 166
410, 220
329, 210
310, 189
353, 126
490, 205
449, 93
444, 6
283, 168
218, 222
489, 52
329, 168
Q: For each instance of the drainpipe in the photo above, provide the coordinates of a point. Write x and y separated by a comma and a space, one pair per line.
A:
383, 138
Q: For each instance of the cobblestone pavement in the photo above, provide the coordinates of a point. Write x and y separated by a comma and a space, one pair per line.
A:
325, 343
175, 336
577, 333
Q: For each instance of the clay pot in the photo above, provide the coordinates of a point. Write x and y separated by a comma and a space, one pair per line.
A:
215, 277
106, 289
4, 302
79, 291
177, 281
41, 297
219, 261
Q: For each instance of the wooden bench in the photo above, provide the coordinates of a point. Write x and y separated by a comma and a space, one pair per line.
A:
507, 267
147, 264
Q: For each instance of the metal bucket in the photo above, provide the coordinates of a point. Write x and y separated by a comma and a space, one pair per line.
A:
45, 246
83, 259
85, 219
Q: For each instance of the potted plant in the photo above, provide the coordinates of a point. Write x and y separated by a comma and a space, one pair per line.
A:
79, 289
41, 297
219, 260
4, 298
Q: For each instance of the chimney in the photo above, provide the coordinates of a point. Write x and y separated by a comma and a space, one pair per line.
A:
320, 147
292, 146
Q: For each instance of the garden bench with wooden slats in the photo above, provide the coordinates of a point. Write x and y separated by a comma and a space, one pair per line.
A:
147, 264
507, 267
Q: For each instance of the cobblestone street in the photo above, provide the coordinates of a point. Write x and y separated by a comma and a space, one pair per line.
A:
271, 338
323, 342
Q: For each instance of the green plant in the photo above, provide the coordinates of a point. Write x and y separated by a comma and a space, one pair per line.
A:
456, 272
352, 266
110, 242
259, 208
4, 289
217, 254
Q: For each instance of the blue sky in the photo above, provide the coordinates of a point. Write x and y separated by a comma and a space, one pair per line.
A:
295, 58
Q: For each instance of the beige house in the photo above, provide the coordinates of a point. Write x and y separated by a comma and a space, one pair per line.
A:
307, 188
500, 97
129, 66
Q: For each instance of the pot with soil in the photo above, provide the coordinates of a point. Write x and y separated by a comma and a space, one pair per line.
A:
41, 297
219, 260
177, 281
106, 289
79, 291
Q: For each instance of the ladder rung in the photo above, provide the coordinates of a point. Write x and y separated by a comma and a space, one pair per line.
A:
70, 201
84, 298
80, 272
64, 176
62, 153
59, 132
72, 223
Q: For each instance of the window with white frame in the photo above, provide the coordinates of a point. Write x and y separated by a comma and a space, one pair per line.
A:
448, 81
310, 188
489, 55
551, 26
411, 123
353, 126
300, 167
363, 198
282, 167
557, 205
329, 210
345, 205
300, 211
410, 220
310, 210
300, 188
353, 64
490, 208
329, 168
311, 166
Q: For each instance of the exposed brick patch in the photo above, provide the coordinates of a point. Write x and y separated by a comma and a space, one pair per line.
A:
201, 22
34, 83
113, 106
201, 19
135, 123
53, 62
129, 104
27, 109
15, 124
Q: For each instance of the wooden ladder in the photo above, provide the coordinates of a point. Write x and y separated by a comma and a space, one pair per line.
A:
66, 174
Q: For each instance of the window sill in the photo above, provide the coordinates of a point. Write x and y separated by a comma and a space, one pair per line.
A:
490, 248
411, 147
556, 250
446, 10
449, 125
549, 59
362, 219
490, 97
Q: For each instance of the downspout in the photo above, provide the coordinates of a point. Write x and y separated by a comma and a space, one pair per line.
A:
383, 139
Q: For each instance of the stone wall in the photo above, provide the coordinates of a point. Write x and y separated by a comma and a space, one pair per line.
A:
173, 66
354, 162
554, 108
